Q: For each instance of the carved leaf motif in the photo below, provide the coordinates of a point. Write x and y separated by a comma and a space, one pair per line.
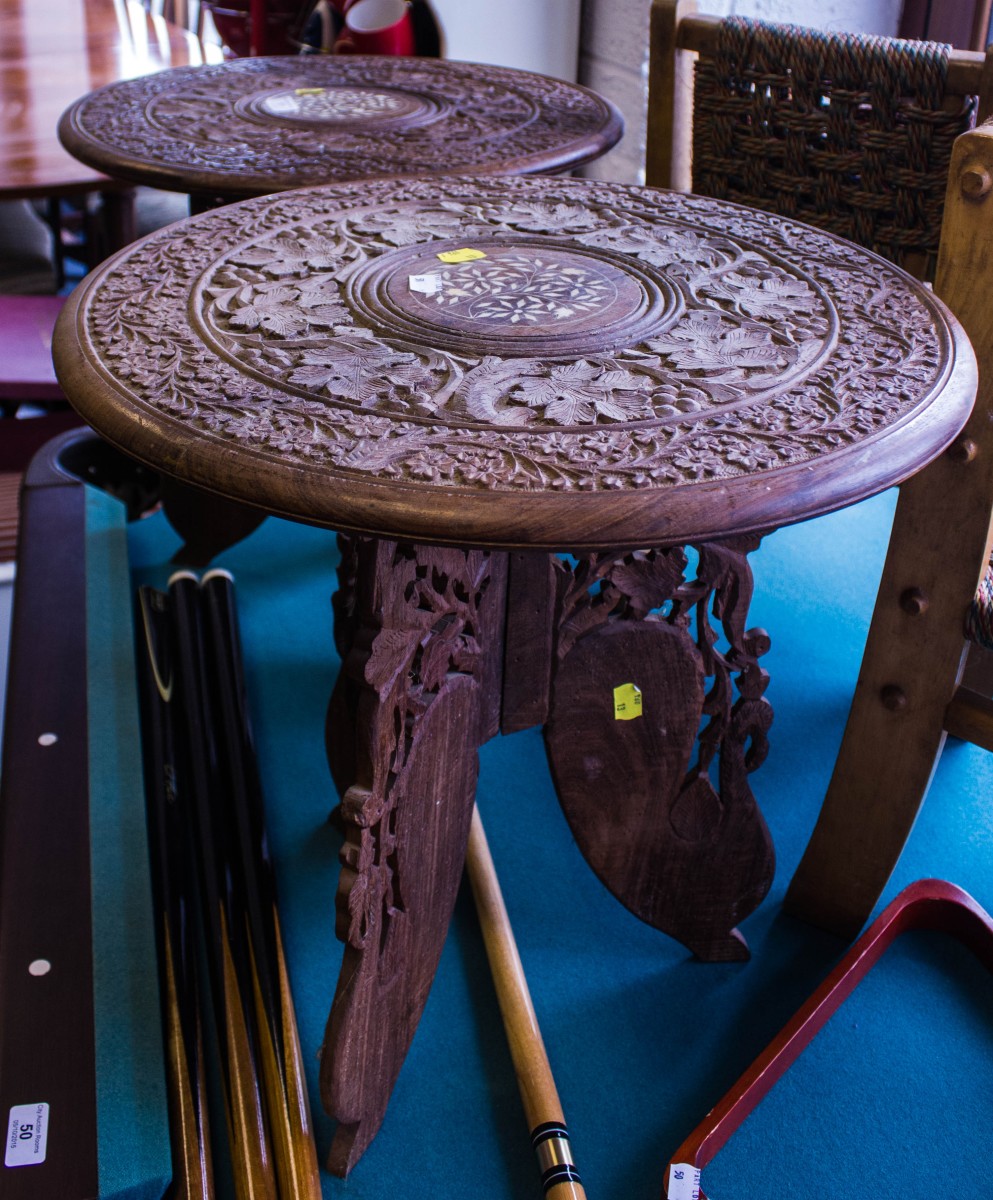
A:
392, 653
772, 296
765, 375
648, 581
436, 660
711, 346
552, 218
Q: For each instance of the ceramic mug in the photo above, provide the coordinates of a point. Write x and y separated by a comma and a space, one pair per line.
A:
376, 27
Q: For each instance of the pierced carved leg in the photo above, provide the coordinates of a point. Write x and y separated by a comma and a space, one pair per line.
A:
686, 852
415, 658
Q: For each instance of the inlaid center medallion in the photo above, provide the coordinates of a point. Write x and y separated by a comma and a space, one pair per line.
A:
352, 107
513, 296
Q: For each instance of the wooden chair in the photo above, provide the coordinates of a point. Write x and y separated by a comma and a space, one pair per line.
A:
909, 693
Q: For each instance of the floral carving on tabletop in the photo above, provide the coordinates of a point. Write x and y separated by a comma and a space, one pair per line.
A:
749, 368
392, 116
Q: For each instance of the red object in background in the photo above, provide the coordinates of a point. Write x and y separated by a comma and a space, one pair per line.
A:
376, 27
255, 27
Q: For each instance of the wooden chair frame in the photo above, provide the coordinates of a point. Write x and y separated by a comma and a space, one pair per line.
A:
679, 34
909, 693
928, 904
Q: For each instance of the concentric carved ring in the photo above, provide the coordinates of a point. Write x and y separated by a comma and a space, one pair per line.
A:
342, 107
510, 296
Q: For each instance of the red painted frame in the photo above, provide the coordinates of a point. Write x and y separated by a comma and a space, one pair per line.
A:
927, 904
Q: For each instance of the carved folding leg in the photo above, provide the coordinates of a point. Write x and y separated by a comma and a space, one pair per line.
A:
415, 659
689, 854
938, 551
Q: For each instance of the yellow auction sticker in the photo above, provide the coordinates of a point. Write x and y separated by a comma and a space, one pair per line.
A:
627, 702
309, 91
466, 254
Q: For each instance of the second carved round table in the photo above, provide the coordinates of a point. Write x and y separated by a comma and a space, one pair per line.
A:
258, 125
466, 375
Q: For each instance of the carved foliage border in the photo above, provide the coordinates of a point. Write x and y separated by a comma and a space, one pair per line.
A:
887, 360
192, 119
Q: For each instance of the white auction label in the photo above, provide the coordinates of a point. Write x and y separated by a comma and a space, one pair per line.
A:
282, 104
684, 1182
27, 1135
428, 284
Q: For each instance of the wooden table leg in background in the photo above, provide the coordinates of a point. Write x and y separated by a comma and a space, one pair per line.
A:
420, 631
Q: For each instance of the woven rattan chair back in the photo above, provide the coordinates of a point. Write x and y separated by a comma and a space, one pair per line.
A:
848, 132
767, 111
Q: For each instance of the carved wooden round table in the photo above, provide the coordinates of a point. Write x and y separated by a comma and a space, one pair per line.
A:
466, 375
259, 125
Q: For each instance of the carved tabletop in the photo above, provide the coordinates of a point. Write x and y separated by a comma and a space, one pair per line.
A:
258, 125
463, 366
618, 367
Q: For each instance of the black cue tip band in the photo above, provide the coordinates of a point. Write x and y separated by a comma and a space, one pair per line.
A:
551, 1145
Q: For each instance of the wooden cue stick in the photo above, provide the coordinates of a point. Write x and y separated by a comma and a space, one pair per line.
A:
283, 1075
185, 1064
251, 1156
542, 1108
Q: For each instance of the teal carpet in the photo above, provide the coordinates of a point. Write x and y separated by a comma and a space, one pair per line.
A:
892, 1100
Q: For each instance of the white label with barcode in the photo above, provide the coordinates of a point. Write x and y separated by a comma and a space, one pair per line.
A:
27, 1135
684, 1182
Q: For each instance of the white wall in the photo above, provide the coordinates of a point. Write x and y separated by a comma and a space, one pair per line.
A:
542, 36
614, 54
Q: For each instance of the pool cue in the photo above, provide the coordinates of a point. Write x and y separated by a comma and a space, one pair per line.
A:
192, 1165
283, 1075
251, 1155
542, 1108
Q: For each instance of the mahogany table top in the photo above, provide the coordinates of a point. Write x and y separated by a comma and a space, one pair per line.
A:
516, 361
258, 125
52, 51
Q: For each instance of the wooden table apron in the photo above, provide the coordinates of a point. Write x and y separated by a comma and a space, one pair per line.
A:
259, 125
466, 376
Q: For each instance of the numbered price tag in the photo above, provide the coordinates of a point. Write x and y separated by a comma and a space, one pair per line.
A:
684, 1182
465, 254
27, 1135
627, 702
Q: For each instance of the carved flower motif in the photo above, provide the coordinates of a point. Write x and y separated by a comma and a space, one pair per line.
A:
580, 393
705, 342
552, 218
776, 296
432, 464
285, 255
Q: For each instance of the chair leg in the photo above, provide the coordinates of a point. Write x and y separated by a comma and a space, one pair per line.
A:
895, 731
939, 549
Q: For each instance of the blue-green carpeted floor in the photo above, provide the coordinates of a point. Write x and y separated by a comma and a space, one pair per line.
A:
892, 1100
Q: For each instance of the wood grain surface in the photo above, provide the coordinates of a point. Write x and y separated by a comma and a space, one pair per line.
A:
52, 53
